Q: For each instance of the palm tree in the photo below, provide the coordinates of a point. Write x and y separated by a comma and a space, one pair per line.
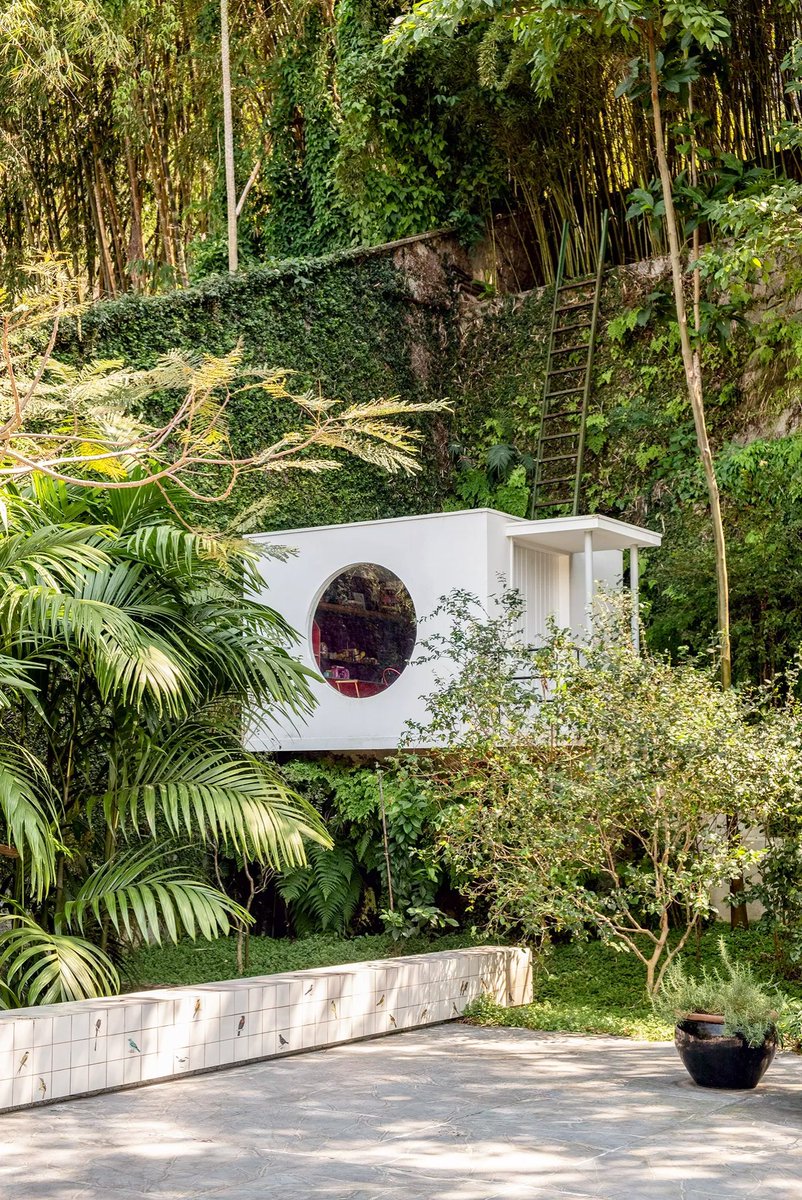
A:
127, 653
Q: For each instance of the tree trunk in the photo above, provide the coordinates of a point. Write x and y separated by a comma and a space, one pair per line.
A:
691, 365
228, 140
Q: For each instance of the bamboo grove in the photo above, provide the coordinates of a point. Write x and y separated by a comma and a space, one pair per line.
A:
111, 133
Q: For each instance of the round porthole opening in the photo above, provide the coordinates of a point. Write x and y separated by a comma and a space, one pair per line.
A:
363, 630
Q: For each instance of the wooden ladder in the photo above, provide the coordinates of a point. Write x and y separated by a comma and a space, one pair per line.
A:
569, 378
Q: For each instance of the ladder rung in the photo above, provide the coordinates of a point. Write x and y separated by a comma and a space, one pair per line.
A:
552, 437
568, 412
558, 458
570, 349
553, 503
576, 325
575, 283
567, 370
557, 479
572, 307
564, 392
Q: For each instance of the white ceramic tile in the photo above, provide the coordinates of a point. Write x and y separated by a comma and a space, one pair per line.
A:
62, 1054
80, 1053
22, 1090
151, 1066
42, 1059
116, 1047
115, 1020
226, 1050
80, 1027
79, 1080
115, 1073
23, 1034
97, 1076
59, 1084
211, 1056
62, 1029
145, 1040
181, 1060
282, 995
206, 1005
132, 1018
202, 1032
132, 1069
150, 1015
6, 1093
43, 1031
6, 1034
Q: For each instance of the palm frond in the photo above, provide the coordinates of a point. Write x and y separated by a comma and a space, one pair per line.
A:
47, 968
138, 892
27, 808
202, 786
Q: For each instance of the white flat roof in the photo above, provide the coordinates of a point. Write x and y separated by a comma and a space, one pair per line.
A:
560, 535
566, 535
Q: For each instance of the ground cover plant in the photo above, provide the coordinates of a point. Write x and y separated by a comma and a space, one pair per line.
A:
589, 987
204, 962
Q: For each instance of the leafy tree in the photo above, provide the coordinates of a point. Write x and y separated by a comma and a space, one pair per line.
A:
127, 652
84, 424
665, 32
588, 788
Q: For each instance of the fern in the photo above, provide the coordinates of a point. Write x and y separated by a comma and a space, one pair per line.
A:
324, 895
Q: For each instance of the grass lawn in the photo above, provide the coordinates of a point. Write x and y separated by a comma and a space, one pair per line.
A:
207, 962
585, 987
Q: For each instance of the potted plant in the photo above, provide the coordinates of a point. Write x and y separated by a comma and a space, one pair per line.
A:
725, 1022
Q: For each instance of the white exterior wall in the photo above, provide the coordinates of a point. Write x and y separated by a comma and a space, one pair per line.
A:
431, 555
477, 551
608, 573
543, 579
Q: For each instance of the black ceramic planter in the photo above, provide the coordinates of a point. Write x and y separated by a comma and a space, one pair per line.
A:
715, 1061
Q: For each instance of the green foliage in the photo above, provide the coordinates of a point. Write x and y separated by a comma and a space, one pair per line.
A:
587, 987
199, 962
586, 787
138, 652
730, 989
342, 324
324, 895
348, 887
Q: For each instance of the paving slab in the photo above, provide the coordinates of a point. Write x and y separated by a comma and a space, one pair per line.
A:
446, 1113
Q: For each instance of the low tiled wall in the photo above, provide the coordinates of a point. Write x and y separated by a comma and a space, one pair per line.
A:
62, 1050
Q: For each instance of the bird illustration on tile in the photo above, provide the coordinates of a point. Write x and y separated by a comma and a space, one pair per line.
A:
196, 1009
309, 990
393, 1021
455, 1011
133, 1046
380, 1002
334, 1010
241, 1025
463, 987
98, 1023
23, 1060
424, 1014
282, 1040
181, 1060
42, 1087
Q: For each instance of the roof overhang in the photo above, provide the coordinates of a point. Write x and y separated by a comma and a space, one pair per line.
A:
566, 535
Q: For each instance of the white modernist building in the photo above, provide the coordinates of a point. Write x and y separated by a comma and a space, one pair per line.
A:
362, 595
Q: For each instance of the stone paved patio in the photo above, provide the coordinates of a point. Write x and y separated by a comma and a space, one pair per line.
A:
449, 1113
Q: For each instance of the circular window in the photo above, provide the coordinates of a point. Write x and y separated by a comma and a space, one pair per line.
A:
363, 630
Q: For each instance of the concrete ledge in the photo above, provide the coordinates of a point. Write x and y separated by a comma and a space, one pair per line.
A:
61, 1050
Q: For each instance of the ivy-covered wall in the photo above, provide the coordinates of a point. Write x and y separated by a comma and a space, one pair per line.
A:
401, 323
355, 326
